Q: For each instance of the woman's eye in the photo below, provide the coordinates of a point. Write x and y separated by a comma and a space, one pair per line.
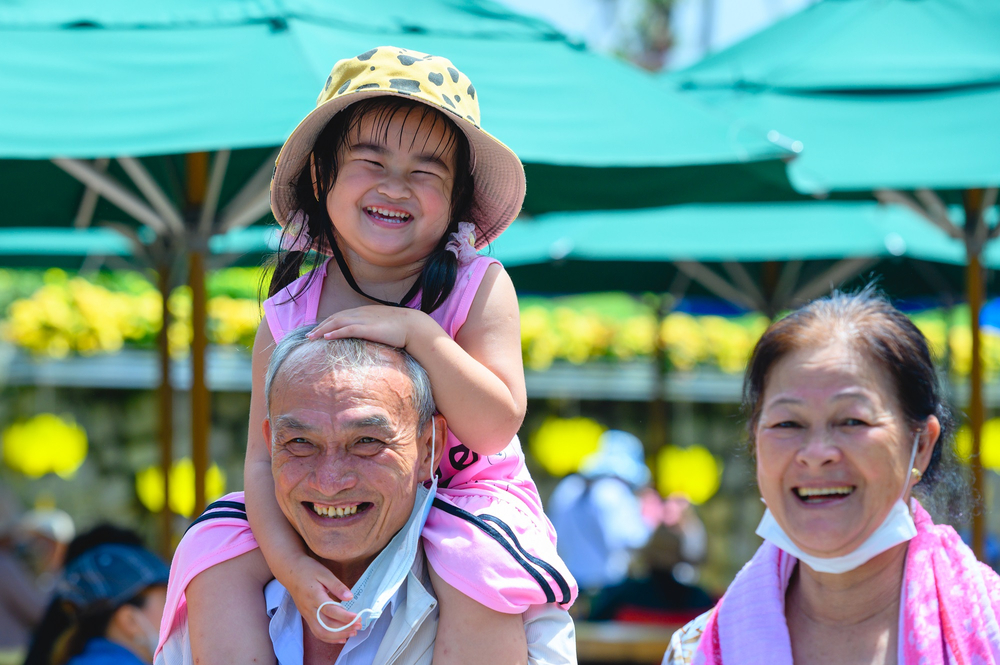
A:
786, 424
854, 422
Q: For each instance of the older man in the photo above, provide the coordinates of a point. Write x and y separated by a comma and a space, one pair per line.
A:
351, 425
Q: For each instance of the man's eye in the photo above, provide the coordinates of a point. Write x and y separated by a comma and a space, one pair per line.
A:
298, 446
367, 445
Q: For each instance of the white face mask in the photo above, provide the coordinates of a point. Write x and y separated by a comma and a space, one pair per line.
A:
149, 633
898, 527
387, 572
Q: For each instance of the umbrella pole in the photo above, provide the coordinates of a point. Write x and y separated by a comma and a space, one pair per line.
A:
972, 200
200, 412
165, 398
197, 181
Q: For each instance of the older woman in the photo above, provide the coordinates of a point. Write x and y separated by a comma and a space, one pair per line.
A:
847, 423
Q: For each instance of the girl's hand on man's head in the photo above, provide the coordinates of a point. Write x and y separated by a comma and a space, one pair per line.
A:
399, 327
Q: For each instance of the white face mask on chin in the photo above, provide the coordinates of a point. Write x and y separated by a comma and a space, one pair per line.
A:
896, 528
384, 576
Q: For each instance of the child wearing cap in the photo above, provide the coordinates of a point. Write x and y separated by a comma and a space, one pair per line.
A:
393, 177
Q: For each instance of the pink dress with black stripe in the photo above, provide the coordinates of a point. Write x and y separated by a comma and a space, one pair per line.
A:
486, 535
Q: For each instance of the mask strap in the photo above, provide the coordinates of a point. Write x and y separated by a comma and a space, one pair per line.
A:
357, 618
913, 457
433, 437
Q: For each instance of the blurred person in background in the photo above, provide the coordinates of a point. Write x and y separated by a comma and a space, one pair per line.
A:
851, 438
21, 602
114, 595
57, 619
46, 532
597, 513
662, 585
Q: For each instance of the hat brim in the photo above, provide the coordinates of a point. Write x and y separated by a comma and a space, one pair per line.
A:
497, 171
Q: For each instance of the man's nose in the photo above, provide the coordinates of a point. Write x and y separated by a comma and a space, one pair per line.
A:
333, 474
818, 449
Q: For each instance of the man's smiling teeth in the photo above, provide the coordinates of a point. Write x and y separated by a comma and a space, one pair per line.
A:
385, 212
806, 492
330, 511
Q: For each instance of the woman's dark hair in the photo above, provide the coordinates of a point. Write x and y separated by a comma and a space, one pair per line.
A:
318, 175
58, 618
889, 338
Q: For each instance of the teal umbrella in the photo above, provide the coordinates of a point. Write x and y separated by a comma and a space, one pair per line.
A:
894, 99
765, 257
109, 110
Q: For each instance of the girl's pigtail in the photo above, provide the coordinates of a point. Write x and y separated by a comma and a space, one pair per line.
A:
287, 268
437, 279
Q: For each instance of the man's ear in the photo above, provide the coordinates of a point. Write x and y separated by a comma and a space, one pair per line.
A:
440, 432
267, 434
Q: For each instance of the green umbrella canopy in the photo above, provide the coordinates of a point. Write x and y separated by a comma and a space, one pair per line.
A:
116, 78
873, 45
815, 245
898, 94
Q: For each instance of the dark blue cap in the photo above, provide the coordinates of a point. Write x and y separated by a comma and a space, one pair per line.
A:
107, 576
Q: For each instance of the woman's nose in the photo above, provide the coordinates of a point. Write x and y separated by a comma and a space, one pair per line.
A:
817, 450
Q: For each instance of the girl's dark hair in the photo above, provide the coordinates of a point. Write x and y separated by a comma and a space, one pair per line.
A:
889, 338
318, 175
58, 618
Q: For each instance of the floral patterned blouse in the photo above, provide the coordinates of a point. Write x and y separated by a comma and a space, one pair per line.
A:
685, 641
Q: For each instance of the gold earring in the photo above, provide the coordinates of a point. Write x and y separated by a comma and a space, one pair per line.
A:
917, 474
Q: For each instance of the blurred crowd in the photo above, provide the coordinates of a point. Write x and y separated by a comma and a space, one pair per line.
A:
634, 553
93, 598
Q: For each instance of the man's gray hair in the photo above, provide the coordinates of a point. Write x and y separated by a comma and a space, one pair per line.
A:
352, 354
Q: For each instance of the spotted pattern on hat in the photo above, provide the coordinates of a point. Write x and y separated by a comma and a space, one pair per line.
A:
448, 101
329, 80
404, 85
367, 55
471, 91
437, 78
368, 86
344, 87
406, 60
454, 74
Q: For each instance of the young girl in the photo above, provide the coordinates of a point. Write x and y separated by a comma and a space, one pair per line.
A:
392, 176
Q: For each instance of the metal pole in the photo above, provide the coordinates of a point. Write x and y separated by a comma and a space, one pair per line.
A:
197, 180
165, 395
972, 200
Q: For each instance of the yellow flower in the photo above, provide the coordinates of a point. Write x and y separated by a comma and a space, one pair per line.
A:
149, 486
692, 471
560, 444
45, 444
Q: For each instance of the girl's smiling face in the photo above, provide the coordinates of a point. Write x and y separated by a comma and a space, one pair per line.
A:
833, 446
391, 200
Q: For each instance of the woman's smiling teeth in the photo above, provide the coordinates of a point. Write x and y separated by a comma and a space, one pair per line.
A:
387, 215
330, 511
818, 494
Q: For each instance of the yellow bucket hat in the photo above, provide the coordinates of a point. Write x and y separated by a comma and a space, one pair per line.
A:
431, 80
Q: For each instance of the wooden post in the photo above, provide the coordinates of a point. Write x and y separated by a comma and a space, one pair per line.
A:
197, 180
165, 398
972, 200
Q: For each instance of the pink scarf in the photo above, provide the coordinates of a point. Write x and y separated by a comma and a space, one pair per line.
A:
950, 606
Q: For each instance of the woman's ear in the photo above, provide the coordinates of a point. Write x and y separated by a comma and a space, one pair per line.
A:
928, 439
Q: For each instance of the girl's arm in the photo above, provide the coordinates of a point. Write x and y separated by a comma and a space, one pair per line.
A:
478, 378
308, 581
